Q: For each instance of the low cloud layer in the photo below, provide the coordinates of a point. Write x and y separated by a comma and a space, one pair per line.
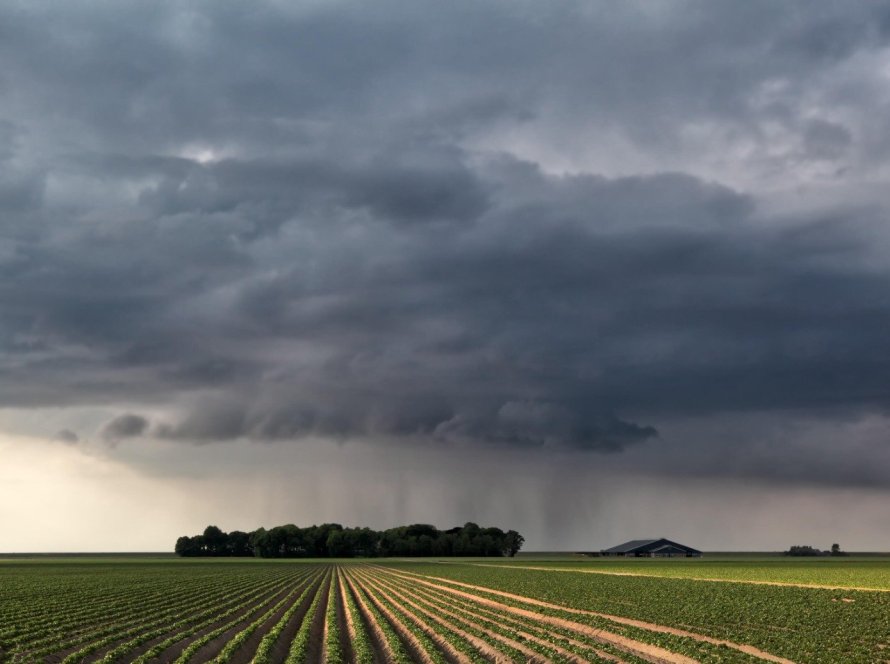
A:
528, 226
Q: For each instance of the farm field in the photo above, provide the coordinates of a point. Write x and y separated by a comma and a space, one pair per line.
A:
847, 572
245, 610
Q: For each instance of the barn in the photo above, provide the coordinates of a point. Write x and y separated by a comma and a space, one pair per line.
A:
652, 548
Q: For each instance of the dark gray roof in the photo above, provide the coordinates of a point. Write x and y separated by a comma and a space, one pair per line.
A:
649, 545
627, 547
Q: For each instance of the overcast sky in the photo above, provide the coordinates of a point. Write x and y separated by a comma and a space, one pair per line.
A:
591, 270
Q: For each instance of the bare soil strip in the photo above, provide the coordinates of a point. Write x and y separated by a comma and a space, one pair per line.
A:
382, 652
436, 613
450, 652
412, 643
652, 627
517, 624
315, 652
344, 621
282, 645
786, 584
645, 651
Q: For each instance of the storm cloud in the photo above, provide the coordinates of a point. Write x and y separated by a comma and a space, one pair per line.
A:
124, 426
558, 226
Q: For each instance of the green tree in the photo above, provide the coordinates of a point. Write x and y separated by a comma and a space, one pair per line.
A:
513, 541
215, 541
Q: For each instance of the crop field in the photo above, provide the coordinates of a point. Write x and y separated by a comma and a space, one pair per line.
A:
846, 572
141, 610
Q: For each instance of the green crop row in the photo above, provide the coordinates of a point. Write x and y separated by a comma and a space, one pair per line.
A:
399, 653
300, 645
192, 627
445, 621
802, 624
404, 621
136, 627
333, 651
102, 637
361, 643
499, 623
264, 650
484, 621
59, 624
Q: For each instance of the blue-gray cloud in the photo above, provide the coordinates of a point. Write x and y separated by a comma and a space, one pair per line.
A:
124, 426
274, 222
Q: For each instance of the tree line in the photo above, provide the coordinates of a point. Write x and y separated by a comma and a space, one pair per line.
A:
806, 551
331, 540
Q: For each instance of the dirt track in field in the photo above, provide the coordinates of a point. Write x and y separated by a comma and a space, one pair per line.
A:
637, 648
653, 627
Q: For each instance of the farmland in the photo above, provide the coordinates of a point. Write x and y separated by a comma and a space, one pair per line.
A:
845, 572
168, 610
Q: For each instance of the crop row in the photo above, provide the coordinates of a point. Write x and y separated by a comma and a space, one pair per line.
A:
76, 628
479, 627
799, 624
256, 613
135, 631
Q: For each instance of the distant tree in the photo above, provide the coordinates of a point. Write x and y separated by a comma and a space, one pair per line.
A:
188, 546
513, 541
803, 551
292, 541
317, 538
259, 541
443, 544
338, 544
365, 542
239, 544
836, 550
424, 545
215, 541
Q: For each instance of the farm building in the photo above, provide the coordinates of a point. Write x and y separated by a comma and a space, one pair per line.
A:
652, 548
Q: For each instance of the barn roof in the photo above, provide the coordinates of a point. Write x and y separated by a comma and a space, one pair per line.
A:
649, 545
627, 547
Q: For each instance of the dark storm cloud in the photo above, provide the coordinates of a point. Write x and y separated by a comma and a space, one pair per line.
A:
279, 222
124, 426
